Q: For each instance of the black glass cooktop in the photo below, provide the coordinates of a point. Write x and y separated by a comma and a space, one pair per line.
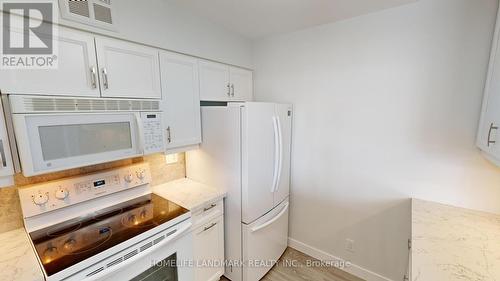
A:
63, 245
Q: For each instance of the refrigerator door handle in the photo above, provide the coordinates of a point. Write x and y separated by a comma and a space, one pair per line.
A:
280, 150
269, 222
276, 154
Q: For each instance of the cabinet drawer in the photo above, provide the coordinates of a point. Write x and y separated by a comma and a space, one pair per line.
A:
207, 212
209, 250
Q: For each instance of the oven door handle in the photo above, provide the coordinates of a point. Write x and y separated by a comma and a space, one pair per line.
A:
179, 231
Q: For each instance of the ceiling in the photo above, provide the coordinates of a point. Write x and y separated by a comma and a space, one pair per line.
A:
260, 18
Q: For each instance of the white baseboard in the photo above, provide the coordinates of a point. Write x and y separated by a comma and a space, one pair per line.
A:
353, 269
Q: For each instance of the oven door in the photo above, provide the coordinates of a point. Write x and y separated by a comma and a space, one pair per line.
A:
55, 142
169, 260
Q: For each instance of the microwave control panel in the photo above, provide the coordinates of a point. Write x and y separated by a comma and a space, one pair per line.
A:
153, 132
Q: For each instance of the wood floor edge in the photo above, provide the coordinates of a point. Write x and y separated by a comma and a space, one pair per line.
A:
353, 269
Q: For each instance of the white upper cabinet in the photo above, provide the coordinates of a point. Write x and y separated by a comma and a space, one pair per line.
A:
241, 84
76, 74
488, 139
128, 70
214, 81
6, 164
220, 82
181, 100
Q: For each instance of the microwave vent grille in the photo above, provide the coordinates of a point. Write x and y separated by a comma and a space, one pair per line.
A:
51, 104
65, 105
98, 105
124, 104
112, 105
83, 104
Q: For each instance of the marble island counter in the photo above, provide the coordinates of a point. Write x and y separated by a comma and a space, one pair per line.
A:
450, 243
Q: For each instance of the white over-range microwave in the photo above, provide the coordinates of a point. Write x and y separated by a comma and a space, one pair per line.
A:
59, 133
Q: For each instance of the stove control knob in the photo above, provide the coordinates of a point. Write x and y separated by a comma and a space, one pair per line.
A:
128, 178
141, 174
40, 199
62, 193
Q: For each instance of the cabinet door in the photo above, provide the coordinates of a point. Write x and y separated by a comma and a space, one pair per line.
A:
76, 74
241, 84
181, 100
128, 70
6, 164
489, 135
260, 161
214, 81
209, 250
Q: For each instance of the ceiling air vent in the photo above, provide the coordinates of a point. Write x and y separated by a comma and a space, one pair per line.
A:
103, 14
97, 13
80, 8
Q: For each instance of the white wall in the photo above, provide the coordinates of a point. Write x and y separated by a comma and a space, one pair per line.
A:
386, 108
161, 24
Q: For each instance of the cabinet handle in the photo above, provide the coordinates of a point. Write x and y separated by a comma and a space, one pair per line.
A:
232, 88
209, 208
492, 127
228, 90
169, 136
105, 81
210, 226
2, 154
93, 77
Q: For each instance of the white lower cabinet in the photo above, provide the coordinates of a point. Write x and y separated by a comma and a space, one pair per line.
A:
209, 249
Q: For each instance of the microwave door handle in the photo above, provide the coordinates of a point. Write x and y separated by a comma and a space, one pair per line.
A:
170, 237
140, 132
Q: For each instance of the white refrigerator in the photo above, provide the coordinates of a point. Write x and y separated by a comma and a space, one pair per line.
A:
245, 151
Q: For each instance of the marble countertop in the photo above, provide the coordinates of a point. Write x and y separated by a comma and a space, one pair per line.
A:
17, 259
188, 193
450, 243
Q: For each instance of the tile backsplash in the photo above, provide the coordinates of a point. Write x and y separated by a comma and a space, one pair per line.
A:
10, 209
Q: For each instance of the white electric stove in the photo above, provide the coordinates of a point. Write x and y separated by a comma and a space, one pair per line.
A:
107, 226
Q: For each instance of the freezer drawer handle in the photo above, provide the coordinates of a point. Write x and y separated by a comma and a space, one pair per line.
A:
209, 208
271, 221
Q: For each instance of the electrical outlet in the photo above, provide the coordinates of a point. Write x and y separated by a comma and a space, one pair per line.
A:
349, 245
172, 158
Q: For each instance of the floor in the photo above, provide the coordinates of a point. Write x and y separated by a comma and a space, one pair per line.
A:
293, 266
